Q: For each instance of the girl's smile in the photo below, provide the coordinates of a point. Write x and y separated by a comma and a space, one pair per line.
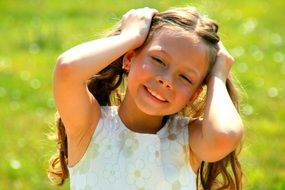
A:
156, 96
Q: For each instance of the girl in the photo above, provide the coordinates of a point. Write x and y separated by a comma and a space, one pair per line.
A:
160, 131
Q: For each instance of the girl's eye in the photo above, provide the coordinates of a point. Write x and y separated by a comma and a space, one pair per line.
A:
186, 79
158, 60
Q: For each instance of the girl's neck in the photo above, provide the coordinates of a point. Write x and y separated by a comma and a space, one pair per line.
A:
138, 121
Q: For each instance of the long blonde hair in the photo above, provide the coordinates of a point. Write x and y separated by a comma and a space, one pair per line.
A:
104, 87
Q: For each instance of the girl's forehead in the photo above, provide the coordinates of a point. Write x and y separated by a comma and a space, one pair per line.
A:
175, 33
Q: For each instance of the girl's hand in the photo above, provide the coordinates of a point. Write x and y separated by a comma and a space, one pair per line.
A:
223, 63
136, 24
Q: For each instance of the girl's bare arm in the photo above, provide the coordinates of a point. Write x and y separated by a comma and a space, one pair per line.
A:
79, 110
221, 130
77, 107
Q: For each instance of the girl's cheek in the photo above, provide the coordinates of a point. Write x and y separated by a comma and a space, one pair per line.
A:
185, 91
148, 68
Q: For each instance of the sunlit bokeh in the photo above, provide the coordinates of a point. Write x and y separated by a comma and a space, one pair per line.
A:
34, 33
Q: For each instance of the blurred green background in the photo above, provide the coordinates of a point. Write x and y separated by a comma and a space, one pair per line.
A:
34, 32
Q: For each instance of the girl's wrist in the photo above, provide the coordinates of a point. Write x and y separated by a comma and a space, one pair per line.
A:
216, 76
220, 70
134, 41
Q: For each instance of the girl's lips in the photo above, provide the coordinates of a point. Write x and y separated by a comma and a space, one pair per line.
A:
156, 95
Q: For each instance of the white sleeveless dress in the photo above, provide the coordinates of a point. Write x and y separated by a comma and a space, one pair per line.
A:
120, 159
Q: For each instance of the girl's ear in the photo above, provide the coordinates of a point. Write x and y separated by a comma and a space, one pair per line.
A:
196, 94
127, 60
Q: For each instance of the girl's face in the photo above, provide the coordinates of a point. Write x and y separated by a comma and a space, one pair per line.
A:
166, 74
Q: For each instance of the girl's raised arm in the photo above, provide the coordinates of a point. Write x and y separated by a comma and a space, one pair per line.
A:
221, 130
78, 109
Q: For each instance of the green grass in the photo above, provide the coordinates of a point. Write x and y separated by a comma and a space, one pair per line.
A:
33, 33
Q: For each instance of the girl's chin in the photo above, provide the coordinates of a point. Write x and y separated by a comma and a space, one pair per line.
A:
154, 110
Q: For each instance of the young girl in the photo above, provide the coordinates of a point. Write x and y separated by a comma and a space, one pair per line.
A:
160, 130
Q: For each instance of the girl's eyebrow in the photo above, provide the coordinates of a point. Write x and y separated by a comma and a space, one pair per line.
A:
192, 70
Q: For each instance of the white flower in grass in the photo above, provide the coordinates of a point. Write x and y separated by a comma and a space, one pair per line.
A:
138, 174
112, 173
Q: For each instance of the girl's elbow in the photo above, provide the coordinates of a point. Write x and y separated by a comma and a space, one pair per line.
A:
223, 142
65, 61
234, 131
64, 65
230, 139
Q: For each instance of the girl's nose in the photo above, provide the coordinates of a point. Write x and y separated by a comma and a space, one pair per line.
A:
167, 83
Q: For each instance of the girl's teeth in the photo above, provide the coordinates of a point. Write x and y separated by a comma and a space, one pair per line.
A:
156, 95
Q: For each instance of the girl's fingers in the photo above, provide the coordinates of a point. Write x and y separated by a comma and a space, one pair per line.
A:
223, 53
141, 11
136, 24
223, 63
